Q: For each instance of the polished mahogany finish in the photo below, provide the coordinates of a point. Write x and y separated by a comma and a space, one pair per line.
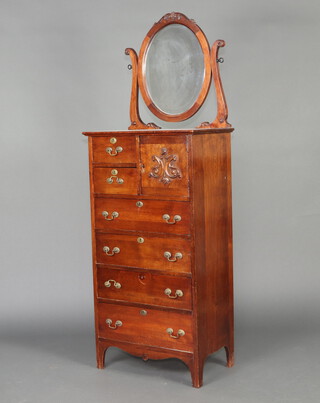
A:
211, 70
114, 214
114, 150
164, 166
181, 19
143, 287
116, 180
212, 215
144, 250
163, 286
136, 122
145, 326
161, 215
221, 119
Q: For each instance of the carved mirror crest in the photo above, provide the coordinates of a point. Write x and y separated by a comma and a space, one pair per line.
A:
174, 71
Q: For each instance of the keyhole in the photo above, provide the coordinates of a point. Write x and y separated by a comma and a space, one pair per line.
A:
142, 278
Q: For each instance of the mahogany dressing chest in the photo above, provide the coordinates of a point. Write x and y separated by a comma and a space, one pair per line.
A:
161, 210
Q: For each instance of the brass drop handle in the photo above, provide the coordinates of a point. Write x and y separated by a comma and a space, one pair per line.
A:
176, 218
168, 255
117, 151
114, 173
114, 215
115, 283
179, 334
114, 251
118, 180
117, 323
177, 294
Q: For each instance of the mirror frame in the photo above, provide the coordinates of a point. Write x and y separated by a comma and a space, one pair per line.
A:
168, 19
211, 71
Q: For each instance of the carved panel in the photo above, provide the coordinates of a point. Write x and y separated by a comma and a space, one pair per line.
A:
164, 166
166, 169
172, 16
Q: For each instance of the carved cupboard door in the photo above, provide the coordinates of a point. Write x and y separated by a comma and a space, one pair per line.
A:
164, 166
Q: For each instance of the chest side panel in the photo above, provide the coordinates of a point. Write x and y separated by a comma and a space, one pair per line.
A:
211, 195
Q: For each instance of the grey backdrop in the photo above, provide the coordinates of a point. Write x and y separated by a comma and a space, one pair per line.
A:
63, 71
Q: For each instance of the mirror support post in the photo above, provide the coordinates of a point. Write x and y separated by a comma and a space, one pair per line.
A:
136, 122
221, 119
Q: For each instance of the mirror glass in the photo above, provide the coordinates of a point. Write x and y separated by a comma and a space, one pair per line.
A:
174, 69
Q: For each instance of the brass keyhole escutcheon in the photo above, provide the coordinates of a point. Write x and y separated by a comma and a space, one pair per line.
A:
113, 140
143, 279
139, 204
140, 239
143, 312
114, 172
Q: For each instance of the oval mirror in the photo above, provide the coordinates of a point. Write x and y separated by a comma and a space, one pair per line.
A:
174, 68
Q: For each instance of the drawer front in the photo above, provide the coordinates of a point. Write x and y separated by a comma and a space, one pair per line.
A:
114, 150
145, 326
141, 251
147, 215
164, 166
115, 180
144, 288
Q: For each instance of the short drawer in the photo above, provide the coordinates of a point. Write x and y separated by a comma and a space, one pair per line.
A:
144, 215
144, 287
145, 326
158, 253
115, 180
114, 150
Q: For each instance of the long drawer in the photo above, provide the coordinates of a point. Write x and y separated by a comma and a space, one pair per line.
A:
147, 215
159, 252
145, 326
145, 288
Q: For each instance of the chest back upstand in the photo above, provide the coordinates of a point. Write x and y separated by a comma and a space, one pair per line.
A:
161, 210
